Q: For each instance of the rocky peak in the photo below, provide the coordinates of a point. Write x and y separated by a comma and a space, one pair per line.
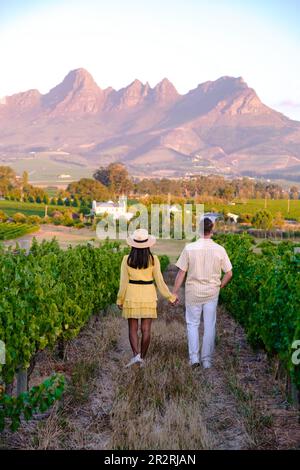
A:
243, 102
78, 92
132, 95
224, 85
165, 91
23, 100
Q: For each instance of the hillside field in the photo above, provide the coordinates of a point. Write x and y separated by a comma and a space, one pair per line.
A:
29, 208
251, 206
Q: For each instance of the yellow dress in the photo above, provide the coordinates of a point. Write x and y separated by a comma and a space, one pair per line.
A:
140, 300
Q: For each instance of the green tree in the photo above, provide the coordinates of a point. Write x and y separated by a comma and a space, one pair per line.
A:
7, 179
102, 175
25, 178
115, 177
119, 178
262, 219
294, 192
88, 189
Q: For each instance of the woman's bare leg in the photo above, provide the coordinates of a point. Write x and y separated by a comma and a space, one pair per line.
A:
133, 335
146, 335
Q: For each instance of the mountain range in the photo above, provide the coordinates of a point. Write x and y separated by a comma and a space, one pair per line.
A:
220, 127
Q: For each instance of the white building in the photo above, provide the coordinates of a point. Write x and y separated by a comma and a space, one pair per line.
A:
233, 217
62, 176
117, 210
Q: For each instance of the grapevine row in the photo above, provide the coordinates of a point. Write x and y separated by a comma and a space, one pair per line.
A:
264, 295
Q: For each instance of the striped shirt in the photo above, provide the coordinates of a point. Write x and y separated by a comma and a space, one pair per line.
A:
204, 261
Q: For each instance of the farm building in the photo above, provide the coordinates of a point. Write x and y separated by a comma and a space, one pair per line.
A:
233, 217
117, 210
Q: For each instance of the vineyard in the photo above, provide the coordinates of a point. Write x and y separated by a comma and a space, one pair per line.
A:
48, 296
29, 208
8, 231
288, 209
264, 295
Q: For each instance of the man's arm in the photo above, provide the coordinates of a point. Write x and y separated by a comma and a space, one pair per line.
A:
226, 278
183, 264
178, 281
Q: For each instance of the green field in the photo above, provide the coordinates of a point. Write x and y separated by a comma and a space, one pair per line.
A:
10, 231
29, 208
249, 207
253, 205
45, 167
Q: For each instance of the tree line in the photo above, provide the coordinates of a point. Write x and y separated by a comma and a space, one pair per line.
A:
113, 180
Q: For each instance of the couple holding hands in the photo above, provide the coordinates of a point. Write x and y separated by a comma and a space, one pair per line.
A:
202, 263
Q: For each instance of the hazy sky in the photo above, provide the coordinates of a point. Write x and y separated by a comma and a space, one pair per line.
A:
187, 41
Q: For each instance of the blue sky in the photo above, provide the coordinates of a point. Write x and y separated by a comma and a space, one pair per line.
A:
188, 41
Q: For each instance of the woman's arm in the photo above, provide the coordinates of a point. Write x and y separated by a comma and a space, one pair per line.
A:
159, 280
123, 282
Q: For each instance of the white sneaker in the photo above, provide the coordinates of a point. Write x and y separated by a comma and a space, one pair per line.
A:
134, 360
206, 365
142, 363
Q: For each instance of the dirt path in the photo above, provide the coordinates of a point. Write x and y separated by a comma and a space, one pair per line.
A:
220, 413
237, 404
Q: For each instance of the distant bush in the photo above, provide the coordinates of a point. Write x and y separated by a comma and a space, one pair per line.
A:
34, 219
79, 225
245, 218
68, 221
164, 262
3, 216
19, 218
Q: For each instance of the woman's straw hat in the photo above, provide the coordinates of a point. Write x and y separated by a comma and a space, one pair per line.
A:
141, 239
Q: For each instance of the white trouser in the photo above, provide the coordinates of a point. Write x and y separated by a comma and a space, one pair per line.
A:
193, 318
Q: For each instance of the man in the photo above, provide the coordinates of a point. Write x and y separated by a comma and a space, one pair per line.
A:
203, 261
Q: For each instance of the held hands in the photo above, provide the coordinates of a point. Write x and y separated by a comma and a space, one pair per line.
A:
176, 301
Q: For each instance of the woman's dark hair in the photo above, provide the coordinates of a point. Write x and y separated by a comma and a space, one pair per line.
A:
140, 258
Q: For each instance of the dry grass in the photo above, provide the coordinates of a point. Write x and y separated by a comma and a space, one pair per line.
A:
259, 396
256, 419
159, 406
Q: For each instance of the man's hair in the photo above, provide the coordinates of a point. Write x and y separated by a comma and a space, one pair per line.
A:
206, 225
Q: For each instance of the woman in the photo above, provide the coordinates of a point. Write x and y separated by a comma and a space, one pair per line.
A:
137, 294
